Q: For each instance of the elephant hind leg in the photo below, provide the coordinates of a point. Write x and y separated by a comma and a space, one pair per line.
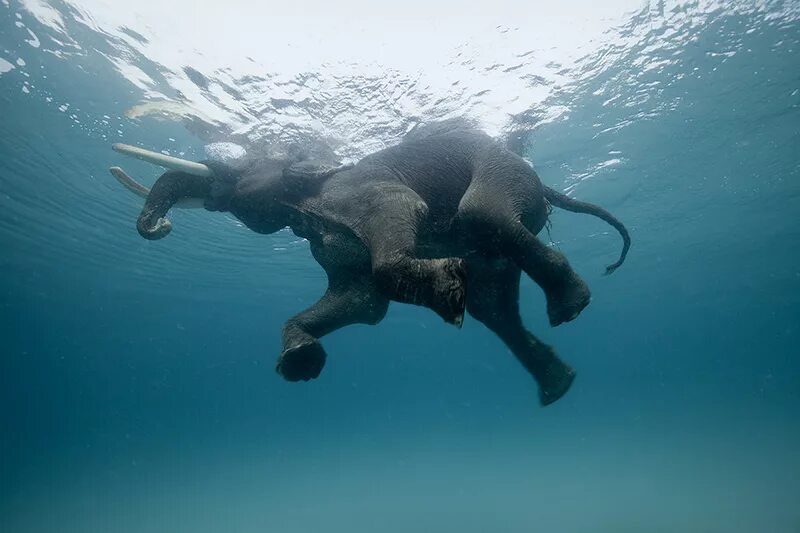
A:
493, 299
351, 298
493, 219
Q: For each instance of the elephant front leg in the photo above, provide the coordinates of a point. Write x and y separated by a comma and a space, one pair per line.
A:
438, 284
390, 233
347, 301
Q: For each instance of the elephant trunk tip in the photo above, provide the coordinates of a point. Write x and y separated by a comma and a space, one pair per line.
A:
154, 232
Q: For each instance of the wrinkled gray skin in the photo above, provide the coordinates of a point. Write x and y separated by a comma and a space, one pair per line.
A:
447, 220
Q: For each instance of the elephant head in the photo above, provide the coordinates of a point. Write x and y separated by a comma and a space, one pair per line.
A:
211, 185
186, 185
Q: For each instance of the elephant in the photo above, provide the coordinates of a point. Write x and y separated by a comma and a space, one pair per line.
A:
446, 219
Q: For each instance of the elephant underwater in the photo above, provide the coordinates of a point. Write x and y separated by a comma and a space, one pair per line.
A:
446, 219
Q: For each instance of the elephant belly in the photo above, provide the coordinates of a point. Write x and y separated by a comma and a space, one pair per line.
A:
340, 250
435, 243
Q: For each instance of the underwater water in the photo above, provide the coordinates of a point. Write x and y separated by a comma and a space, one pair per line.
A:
137, 383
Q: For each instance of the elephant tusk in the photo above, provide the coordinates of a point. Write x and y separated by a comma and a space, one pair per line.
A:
166, 161
129, 183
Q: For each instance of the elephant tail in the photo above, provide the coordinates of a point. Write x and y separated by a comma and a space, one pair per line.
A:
576, 206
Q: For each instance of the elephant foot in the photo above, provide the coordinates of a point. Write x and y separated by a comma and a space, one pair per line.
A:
449, 290
566, 304
555, 381
302, 362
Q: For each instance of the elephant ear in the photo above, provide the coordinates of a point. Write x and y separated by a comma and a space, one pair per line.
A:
312, 170
222, 187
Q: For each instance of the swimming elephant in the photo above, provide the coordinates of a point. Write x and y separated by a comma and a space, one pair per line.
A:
446, 219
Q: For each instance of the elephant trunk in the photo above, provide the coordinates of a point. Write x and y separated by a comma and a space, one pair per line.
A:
171, 187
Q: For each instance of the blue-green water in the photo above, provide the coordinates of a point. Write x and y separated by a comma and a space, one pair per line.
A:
137, 390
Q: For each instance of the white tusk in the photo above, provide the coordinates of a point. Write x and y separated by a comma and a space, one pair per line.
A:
129, 183
140, 190
166, 161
